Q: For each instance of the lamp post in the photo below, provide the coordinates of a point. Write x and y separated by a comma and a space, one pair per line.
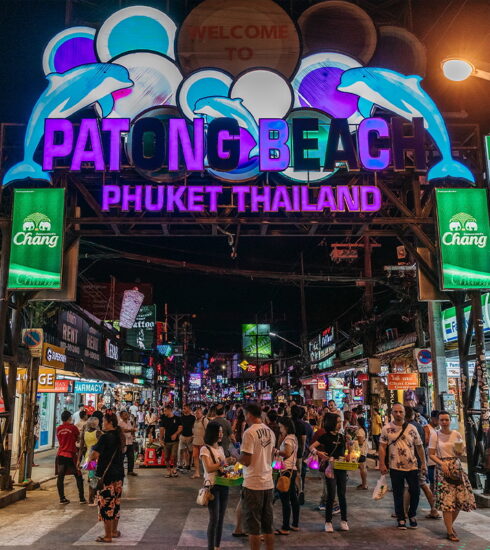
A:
457, 69
274, 335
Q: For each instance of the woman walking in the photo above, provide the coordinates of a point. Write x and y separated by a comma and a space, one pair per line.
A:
333, 444
288, 450
213, 459
453, 488
88, 439
198, 430
109, 453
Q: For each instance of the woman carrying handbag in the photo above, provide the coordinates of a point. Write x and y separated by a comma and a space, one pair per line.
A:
453, 488
333, 444
286, 484
213, 459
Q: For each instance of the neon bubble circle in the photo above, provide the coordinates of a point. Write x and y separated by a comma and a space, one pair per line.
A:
68, 49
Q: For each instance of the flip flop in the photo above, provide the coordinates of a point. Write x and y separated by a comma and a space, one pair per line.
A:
430, 516
117, 535
239, 535
282, 533
102, 539
295, 529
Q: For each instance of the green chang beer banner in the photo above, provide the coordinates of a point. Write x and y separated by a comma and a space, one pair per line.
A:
36, 249
464, 229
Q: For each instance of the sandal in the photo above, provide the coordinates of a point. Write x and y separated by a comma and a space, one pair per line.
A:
430, 516
239, 535
281, 532
452, 537
102, 539
295, 529
116, 535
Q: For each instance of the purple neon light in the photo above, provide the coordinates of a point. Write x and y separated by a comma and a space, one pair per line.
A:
74, 52
115, 126
111, 196
274, 152
89, 134
380, 128
193, 153
318, 90
52, 151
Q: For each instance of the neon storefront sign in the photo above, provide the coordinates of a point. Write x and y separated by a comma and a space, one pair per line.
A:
332, 115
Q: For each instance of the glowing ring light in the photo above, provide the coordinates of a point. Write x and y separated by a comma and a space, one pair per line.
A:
156, 80
315, 85
134, 29
200, 84
265, 93
69, 48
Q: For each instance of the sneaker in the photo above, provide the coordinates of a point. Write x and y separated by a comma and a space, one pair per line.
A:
402, 525
336, 509
412, 523
321, 508
64, 500
328, 527
83, 501
344, 526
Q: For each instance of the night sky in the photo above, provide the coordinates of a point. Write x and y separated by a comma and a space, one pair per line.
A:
222, 304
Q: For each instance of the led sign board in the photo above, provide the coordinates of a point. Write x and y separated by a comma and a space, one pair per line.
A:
464, 230
256, 341
36, 249
333, 114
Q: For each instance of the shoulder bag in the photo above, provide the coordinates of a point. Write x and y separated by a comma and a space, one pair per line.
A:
387, 456
205, 495
284, 482
326, 464
97, 483
455, 476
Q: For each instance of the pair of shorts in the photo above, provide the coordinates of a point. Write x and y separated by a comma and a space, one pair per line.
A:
185, 443
362, 459
109, 501
171, 452
257, 508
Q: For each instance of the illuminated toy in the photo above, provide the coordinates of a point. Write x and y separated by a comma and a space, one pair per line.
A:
404, 96
66, 94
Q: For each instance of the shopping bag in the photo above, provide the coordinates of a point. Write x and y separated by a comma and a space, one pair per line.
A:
381, 488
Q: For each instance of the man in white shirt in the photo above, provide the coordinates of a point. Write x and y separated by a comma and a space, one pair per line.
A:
401, 441
76, 416
258, 443
129, 429
133, 409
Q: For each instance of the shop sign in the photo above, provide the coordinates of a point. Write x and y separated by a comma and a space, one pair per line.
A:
351, 353
134, 370
53, 356
32, 338
61, 386
335, 383
79, 338
88, 387
449, 402
363, 377
111, 349
322, 347
256, 341
36, 248
195, 380
403, 381
132, 300
423, 356
449, 325
46, 379
139, 381
464, 229
315, 119
142, 334
321, 384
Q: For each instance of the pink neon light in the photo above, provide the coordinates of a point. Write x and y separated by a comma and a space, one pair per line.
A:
89, 134
115, 126
371, 199
132, 196
179, 138
380, 128
214, 191
274, 152
52, 151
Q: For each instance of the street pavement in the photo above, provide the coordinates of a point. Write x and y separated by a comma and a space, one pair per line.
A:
159, 513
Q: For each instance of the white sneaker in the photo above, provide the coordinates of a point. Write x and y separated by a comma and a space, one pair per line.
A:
344, 526
328, 527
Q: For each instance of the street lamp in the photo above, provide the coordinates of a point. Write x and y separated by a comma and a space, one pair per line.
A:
273, 334
457, 70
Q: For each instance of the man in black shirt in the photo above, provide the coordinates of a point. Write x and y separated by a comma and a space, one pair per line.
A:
170, 429
185, 439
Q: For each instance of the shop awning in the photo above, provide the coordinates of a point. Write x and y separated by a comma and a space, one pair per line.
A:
98, 374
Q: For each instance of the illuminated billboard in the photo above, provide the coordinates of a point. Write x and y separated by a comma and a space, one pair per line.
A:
464, 229
36, 248
256, 341
142, 333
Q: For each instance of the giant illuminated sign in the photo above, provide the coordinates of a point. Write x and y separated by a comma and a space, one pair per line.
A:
333, 114
464, 231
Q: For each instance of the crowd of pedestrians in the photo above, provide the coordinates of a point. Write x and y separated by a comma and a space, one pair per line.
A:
276, 445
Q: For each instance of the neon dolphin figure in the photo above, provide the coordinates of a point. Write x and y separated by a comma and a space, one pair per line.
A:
218, 107
404, 96
66, 94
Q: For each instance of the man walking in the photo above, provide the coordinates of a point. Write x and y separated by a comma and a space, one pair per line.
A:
66, 464
128, 428
185, 438
257, 494
170, 429
429, 429
226, 427
400, 440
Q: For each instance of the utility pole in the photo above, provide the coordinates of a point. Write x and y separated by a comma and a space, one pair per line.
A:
304, 324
